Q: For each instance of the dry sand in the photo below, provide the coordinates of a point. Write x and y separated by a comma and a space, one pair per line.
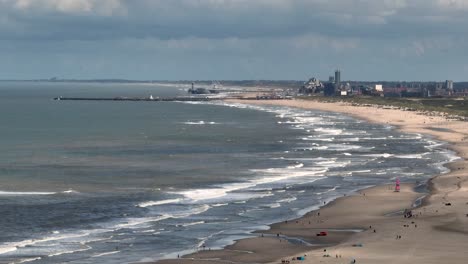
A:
438, 233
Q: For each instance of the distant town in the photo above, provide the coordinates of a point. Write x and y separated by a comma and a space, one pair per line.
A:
335, 87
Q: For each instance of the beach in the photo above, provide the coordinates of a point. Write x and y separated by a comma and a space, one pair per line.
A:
369, 226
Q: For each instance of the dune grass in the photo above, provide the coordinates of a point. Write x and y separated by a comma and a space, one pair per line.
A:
451, 106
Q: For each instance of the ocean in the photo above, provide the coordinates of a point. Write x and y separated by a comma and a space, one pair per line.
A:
120, 182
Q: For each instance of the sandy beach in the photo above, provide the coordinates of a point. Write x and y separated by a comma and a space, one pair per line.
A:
369, 227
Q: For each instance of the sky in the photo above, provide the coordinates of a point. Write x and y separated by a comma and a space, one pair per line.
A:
234, 39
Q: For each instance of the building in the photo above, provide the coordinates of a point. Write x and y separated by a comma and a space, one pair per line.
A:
313, 85
449, 84
337, 79
331, 79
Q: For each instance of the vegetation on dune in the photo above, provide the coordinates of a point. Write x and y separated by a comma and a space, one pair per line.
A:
451, 106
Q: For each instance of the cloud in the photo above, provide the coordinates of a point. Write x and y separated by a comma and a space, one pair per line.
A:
100, 7
253, 34
113, 19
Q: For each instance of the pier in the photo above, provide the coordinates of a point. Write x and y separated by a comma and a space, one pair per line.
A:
169, 99
137, 99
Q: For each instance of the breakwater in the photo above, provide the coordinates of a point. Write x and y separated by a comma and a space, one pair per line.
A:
168, 99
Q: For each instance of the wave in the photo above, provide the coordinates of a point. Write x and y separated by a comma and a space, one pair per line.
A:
273, 205
380, 155
191, 224
354, 139
69, 251
154, 203
318, 138
411, 156
300, 165
278, 174
200, 123
139, 221
329, 131
29, 260
329, 190
342, 147
219, 204
70, 191
312, 148
13, 246
105, 254
19, 193
374, 138
287, 200
7, 193
289, 122
334, 164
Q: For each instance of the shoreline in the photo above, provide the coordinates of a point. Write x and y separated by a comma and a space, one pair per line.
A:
380, 213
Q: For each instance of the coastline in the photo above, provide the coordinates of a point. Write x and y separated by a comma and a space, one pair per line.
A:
376, 208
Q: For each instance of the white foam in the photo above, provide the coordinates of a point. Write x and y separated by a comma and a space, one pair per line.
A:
300, 165
382, 155
410, 156
329, 131
289, 122
70, 191
144, 221
361, 171
219, 204
200, 123
329, 190
69, 251
313, 148
154, 203
6, 193
28, 260
342, 147
105, 254
315, 138
355, 139
146, 231
374, 138
193, 223
132, 222
13, 246
274, 205
287, 200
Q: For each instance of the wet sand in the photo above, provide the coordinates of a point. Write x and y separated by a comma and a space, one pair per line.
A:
367, 226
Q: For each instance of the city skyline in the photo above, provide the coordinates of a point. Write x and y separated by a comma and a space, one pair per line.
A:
395, 40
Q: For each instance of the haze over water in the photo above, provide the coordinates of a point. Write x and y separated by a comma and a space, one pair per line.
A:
87, 182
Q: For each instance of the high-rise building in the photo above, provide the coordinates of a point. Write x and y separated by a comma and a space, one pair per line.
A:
337, 79
331, 79
449, 85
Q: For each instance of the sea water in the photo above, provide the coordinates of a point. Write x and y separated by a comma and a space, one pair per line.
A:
108, 182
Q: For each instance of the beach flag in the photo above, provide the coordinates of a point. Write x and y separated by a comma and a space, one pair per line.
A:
397, 185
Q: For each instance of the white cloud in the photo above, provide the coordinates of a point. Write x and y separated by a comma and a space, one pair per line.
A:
452, 4
100, 7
